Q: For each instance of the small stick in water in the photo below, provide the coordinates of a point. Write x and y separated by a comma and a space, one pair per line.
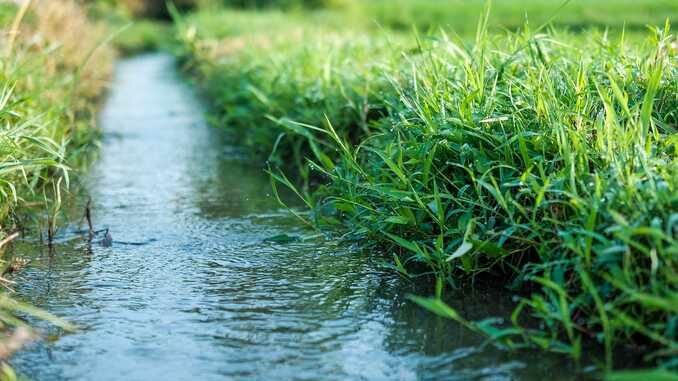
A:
88, 216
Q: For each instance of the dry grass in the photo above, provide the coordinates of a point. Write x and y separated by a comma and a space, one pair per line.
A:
62, 29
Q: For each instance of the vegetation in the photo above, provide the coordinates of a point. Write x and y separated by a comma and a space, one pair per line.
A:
53, 70
153, 9
51, 78
540, 158
509, 14
538, 152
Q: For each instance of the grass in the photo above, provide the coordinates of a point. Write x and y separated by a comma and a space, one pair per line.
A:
53, 71
51, 80
542, 160
460, 15
131, 35
144, 36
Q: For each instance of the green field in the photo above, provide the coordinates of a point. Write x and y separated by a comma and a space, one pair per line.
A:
575, 15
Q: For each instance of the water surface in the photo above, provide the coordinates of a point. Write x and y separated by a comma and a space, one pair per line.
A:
191, 289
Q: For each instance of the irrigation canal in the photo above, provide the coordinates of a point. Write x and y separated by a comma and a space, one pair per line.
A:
191, 289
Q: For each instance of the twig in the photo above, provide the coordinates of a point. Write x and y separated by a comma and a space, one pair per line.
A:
88, 216
50, 232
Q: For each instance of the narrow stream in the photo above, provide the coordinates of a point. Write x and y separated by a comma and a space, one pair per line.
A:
191, 288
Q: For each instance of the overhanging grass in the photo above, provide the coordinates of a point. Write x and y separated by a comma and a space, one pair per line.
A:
548, 160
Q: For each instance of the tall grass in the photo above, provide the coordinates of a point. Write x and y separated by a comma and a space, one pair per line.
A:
51, 73
538, 159
49, 82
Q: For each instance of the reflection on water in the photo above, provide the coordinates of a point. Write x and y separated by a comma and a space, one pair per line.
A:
190, 289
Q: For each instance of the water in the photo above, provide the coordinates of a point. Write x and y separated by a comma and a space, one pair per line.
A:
191, 289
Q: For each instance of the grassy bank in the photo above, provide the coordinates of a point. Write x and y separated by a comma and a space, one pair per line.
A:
543, 160
52, 77
52, 73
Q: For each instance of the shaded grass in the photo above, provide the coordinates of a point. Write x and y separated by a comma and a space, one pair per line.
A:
547, 160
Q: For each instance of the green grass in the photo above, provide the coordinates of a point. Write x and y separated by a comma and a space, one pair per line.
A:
460, 15
542, 159
141, 36
48, 94
132, 35
455, 16
50, 82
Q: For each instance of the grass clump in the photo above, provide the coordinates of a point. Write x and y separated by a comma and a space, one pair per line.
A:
544, 160
546, 164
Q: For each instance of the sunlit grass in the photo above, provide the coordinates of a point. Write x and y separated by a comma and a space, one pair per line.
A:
542, 158
51, 74
460, 15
